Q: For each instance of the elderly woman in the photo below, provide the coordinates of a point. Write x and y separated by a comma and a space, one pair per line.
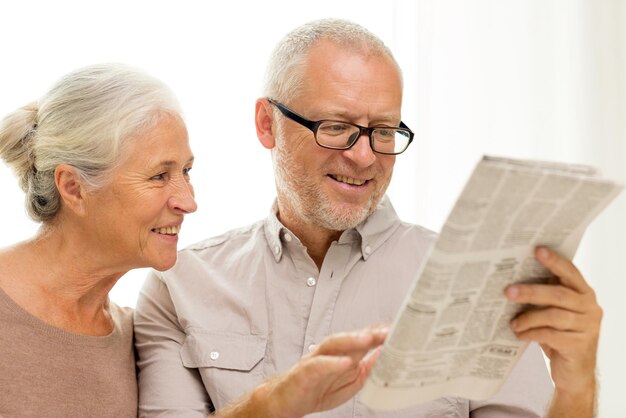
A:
104, 161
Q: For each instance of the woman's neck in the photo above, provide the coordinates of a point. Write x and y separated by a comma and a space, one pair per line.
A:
51, 277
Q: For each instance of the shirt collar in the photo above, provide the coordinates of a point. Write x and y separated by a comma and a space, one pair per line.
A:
273, 231
372, 232
378, 227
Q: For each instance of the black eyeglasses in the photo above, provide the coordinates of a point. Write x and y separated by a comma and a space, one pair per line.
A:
334, 134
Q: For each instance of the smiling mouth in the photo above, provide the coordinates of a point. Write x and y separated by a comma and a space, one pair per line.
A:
170, 230
348, 180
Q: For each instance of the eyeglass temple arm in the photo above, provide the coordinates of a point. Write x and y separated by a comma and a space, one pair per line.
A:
294, 116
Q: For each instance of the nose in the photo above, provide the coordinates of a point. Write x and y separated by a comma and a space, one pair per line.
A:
182, 199
361, 152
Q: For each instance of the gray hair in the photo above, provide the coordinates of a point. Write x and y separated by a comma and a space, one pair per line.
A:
284, 74
83, 121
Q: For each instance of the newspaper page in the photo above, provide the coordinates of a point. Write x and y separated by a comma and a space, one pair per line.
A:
452, 336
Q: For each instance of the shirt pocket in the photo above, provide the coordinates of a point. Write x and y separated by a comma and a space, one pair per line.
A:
230, 365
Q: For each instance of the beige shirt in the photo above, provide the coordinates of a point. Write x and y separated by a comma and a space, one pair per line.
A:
244, 306
48, 372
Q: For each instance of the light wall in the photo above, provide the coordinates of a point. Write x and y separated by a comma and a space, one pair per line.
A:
535, 79
528, 79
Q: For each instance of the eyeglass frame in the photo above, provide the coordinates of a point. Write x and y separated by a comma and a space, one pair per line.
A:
313, 125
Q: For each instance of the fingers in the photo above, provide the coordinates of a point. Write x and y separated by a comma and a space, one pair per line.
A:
345, 358
565, 308
562, 320
566, 344
573, 293
343, 366
329, 377
566, 322
309, 386
344, 379
368, 362
563, 269
547, 295
347, 342
322, 366
554, 318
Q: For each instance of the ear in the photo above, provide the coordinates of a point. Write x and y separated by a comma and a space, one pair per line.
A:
264, 120
70, 188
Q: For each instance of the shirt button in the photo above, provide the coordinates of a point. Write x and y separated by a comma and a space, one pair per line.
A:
277, 250
214, 355
311, 347
287, 237
311, 281
368, 250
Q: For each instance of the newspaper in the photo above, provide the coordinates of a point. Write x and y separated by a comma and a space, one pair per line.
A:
452, 336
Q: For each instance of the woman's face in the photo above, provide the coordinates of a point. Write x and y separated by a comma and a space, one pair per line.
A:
135, 219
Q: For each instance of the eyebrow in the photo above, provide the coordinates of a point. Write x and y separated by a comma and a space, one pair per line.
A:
386, 118
169, 163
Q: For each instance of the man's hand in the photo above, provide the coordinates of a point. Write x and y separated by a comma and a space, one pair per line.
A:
323, 379
566, 324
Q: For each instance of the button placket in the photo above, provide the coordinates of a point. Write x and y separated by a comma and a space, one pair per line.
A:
325, 296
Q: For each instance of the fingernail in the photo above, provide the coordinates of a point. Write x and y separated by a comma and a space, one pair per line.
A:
512, 292
543, 253
514, 325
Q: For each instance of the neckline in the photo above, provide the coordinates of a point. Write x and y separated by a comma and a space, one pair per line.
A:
60, 334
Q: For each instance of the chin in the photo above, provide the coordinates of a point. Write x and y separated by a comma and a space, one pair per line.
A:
164, 263
340, 221
345, 216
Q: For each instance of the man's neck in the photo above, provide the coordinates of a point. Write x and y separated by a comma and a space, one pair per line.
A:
316, 239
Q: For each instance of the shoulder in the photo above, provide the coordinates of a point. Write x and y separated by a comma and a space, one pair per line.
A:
416, 231
405, 248
385, 226
232, 237
219, 251
122, 317
413, 235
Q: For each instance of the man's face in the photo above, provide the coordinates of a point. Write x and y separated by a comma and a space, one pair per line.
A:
333, 189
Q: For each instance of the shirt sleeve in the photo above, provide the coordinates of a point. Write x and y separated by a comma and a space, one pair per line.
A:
166, 387
526, 393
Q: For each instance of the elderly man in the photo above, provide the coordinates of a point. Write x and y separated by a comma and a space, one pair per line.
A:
332, 255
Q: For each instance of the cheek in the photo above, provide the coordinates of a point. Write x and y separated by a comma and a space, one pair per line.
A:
297, 143
145, 208
387, 163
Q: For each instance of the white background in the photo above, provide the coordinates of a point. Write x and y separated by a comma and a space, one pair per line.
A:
527, 79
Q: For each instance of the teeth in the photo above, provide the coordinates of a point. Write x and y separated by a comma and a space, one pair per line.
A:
170, 230
349, 180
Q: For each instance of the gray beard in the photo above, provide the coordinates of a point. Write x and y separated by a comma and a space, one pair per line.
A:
309, 204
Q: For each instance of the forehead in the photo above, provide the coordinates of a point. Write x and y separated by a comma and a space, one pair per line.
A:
167, 140
351, 79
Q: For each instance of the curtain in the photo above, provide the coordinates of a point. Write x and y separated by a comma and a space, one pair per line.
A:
526, 79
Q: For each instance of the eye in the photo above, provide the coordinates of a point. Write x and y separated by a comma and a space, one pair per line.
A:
186, 171
159, 177
385, 135
333, 128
